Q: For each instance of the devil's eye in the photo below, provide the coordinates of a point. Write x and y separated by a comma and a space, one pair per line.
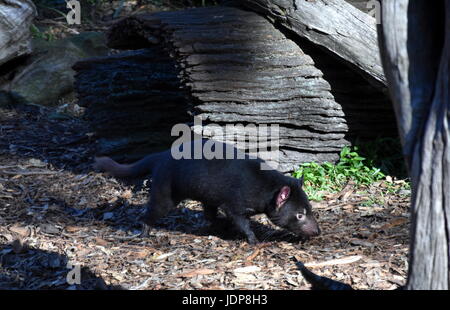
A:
300, 216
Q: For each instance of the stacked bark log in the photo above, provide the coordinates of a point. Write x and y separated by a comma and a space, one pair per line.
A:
133, 100
226, 66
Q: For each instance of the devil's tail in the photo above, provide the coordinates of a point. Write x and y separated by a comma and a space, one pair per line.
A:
321, 283
139, 168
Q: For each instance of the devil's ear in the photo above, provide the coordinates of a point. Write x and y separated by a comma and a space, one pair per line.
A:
300, 182
283, 196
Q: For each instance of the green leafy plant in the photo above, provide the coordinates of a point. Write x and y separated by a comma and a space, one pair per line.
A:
36, 33
328, 177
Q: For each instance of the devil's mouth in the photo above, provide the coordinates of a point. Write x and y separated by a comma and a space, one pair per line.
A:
304, 234
299, 237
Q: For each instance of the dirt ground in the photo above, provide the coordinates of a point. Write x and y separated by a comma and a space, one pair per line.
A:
56, 213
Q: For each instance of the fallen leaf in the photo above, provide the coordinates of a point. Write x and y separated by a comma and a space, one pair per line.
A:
162, 256
253, 255
49, 229
112, 200
339, 261
345, 193
126, 194
140, 253
291, 282
72, 229
248, 269
20, 230
372, 236
196, 272
396, 222
9, 238
34, 162
348, 207
100, 241
245, 278
361, 243
118, 276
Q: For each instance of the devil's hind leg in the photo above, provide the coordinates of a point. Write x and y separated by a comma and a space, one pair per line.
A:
159, 204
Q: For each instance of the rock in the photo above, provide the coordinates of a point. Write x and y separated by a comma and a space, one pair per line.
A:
48, 76
16, 17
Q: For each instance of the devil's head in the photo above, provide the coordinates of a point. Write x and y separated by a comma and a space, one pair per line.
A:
291, 210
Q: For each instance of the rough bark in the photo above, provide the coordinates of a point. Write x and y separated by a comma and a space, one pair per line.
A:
335, 25
133, 99
415, 41
236, 67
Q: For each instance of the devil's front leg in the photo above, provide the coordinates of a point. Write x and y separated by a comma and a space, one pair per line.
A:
242, 223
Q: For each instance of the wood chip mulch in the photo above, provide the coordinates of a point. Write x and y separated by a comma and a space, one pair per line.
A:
57, 215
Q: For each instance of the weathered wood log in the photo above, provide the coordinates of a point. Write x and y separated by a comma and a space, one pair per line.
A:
232, 66
334, 25
133, 100
415, 40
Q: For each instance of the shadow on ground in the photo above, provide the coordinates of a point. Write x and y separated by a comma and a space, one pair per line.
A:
27, 268
65, 143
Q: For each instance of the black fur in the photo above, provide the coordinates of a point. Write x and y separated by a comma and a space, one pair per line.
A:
321, 283
237, 186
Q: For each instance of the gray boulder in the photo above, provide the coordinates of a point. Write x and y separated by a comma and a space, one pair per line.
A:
47, 75
16, 17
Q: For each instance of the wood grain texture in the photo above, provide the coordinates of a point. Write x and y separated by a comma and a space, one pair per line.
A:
415, 40
235, 67
335, 25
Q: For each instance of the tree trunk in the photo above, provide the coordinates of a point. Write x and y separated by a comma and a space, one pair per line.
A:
415, 44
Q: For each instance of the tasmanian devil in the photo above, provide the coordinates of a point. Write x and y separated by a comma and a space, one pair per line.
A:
239, 187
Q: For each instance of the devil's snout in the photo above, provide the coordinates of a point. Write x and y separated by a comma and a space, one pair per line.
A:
311, 228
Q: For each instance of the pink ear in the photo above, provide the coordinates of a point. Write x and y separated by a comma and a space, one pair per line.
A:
283, 195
